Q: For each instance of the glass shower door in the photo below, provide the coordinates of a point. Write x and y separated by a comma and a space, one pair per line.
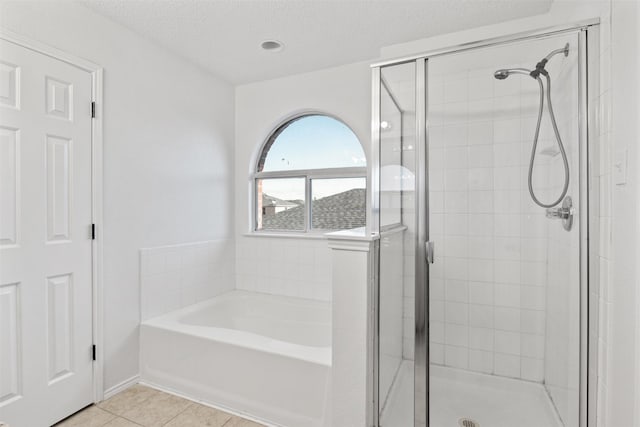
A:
397, 141
505, 285
487, 329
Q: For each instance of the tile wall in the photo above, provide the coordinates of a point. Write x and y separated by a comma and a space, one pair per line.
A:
489, 282
172, 277
391, 308
295, 267
562, 340
601, 180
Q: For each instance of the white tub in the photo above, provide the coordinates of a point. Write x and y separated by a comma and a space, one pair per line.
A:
265, 356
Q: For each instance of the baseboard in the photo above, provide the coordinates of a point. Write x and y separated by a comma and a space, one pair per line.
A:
121, 386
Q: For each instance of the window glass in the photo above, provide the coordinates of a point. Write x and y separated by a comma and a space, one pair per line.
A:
338, 203
280, 204
312, 142
312, 157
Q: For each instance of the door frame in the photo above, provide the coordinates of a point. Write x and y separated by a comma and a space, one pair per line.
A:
97, 273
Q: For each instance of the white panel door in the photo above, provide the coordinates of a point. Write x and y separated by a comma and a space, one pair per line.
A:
45, 238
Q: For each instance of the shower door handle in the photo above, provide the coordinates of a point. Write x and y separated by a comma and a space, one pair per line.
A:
429, 251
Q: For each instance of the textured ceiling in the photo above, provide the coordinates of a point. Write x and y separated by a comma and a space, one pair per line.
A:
224, 36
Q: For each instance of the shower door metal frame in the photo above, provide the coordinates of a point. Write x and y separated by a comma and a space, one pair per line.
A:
421, 351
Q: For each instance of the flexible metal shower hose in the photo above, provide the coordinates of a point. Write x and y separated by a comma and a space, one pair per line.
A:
558, 140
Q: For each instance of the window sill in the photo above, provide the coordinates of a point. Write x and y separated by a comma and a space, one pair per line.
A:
353, 234
289, 235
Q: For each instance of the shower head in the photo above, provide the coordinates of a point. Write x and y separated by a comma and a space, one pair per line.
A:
506, 72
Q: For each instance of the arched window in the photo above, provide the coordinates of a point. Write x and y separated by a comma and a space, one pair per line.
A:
310, 176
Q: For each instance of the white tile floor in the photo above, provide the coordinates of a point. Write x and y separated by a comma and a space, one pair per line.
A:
490, 400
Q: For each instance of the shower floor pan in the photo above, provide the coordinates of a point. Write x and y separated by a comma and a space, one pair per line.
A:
489, 400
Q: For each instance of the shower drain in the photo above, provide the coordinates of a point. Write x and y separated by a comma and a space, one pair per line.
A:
468, 422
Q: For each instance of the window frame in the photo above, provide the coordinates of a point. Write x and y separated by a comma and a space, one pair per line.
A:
307, 174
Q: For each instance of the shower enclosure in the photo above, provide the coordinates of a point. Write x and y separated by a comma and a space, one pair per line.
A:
481, 314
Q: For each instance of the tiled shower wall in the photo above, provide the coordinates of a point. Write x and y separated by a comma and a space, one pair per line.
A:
489, 282
409, 220
391, 307
562, 344
391, 256
601, 295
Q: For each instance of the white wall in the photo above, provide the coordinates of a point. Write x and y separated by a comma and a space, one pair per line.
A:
623, 361
344, 92
168, 156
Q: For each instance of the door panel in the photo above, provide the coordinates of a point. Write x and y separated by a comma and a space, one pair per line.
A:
45, 240
9, 185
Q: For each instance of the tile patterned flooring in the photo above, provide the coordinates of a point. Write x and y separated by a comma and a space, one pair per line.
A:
140, 406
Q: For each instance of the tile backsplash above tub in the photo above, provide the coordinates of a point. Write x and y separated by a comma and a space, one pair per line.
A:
284, 266
172, 277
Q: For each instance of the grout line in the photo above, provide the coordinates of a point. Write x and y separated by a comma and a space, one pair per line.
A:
114, 415
136, 406
110, 412
241, 416
133, 422
184, 410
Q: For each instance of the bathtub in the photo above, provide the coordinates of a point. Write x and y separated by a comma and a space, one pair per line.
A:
267, 357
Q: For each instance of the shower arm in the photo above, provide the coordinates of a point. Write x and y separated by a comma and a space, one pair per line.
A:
564, 50
540, 66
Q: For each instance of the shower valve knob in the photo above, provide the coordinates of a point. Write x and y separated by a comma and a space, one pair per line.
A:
559, 213
564, 213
